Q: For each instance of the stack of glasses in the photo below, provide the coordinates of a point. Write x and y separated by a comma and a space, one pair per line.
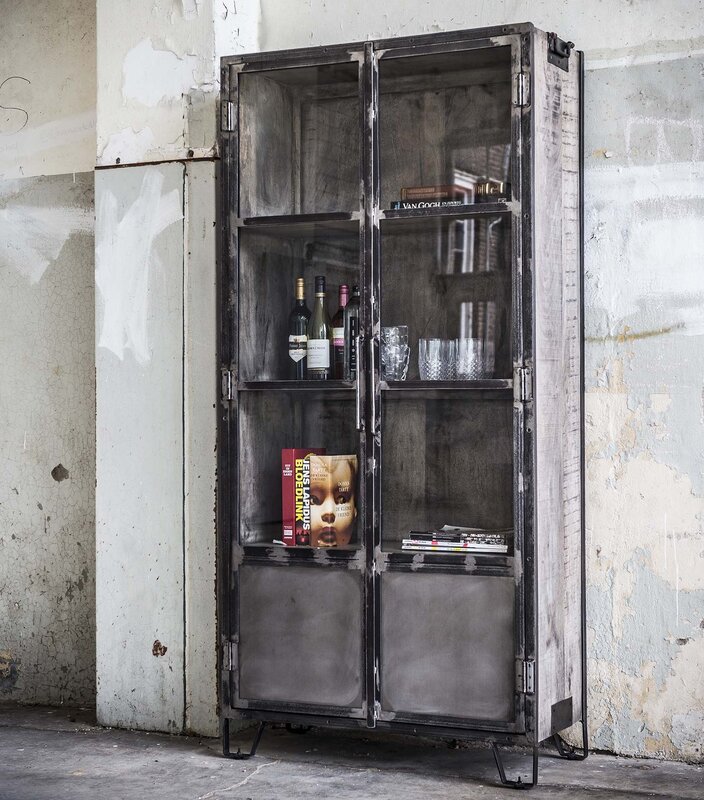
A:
395, 353
451, 359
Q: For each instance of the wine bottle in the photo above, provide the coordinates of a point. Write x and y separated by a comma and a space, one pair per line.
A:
319, 336
338, 335
351, 326
298, 332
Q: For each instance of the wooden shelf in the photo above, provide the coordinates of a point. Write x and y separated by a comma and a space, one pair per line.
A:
295, 386
419, 215
292, 225
489, 388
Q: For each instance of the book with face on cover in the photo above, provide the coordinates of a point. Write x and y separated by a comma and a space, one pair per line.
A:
295, 494
333, 500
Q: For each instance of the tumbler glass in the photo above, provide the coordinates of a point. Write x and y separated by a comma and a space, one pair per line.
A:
470, 359
437, 359
395, 353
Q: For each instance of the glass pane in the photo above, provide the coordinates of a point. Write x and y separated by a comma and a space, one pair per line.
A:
445, 461
450, 278
444, 120
271, 259
299, 134
321, 421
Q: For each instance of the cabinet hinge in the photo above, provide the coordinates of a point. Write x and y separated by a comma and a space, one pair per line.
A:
227, 116
559, 52
521, 89
226, 383
522, 384
528, 677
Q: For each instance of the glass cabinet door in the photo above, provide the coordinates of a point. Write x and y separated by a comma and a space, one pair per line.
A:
446, 297
445, 439
298, 587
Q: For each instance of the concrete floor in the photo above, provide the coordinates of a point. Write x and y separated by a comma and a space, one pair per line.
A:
49, 754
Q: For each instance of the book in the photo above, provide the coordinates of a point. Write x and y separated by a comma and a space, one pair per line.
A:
452, 548
333, 500
295, 494
457, 540
397, 205
442, 192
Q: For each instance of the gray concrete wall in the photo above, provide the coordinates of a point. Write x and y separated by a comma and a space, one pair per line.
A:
47, 384
644, 327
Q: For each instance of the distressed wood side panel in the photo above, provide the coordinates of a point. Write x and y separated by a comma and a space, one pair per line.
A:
556, 250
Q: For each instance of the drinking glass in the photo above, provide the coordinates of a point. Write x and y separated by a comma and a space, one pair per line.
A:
395, 353
437, 359
470, 359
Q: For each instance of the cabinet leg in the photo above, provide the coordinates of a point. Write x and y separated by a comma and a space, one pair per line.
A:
566, 750
226, 741
518, 783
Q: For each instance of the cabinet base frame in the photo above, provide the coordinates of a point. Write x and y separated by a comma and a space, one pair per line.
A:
518, 783
239, 755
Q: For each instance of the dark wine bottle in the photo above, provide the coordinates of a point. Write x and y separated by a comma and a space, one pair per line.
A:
351, 326
298, 332
319, 336
338, 335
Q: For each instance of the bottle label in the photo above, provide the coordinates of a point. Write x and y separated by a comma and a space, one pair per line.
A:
318, 354
297, 347
338, 337
354, 328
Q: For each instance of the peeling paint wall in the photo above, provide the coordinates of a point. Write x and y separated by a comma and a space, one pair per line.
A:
644, 321
159, 75
47, 376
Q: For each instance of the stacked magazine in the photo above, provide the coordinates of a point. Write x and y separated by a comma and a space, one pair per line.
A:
451, 539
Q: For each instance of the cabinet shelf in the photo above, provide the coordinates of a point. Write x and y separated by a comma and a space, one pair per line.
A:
295, 386
419, 215
269, 553
303, 225
490, 388
397, 559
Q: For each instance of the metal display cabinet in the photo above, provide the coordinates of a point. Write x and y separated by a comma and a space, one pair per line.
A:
316, 146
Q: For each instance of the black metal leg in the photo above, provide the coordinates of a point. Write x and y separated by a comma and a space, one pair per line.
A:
226, 741
518, 783
571, 753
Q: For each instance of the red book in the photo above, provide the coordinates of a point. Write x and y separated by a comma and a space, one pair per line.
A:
295, 494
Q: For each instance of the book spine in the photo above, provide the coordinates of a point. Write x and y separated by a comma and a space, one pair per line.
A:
288, 497
302, 484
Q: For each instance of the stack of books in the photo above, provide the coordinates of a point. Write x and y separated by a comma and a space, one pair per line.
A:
468, 189
451, 539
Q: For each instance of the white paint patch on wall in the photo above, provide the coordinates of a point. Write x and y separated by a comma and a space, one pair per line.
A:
124, 259
33, 236
127, 145
34, 148
237, 26
191, 8
152, 76
659, 251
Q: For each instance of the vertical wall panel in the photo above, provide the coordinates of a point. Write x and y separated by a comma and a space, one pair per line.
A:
200, 381
139, 502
